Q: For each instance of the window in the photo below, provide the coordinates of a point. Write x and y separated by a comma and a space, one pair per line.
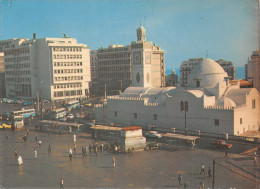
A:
115, 113
135, 115
216, 122
241, 121
253, 103
155, 116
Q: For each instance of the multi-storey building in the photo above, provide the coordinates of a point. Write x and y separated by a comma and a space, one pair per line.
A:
55, 68
94, 72
2, 75
228, 67
255, 57
114, 68
187, 66
172, 79
249, 71
138, 64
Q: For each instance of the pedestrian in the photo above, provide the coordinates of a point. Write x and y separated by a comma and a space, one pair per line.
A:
74, 138
202, 169
114, 161
6, 137
36, 137
20, 160
48, 132
89, 148
35, 154
226, 153
27, 132
49, 149
70, 154
96, 150
39, 143
179, 179
102, 147
202, 184
86, 148
209, 172
25, 138
61, 183
83, 151
15, 153
75, 148
186, 184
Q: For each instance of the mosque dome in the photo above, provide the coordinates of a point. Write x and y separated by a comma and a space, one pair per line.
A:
225, 102
207, 73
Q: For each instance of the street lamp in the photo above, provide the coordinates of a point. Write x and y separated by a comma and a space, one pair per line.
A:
121, 84
184, 108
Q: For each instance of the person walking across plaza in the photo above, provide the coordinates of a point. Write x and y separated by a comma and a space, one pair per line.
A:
186, 184
36, 137
70, 154
209, 172
226, 153
61, 183
35, 154
114, 161
179, 179
49, 149
75, 148
15, 153
74, 138
202, 169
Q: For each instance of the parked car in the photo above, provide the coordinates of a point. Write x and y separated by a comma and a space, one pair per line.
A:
62, 119
5, 126
221, 144
88, 104
152, 134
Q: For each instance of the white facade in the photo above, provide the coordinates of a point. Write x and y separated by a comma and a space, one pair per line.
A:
213, 105
55, 68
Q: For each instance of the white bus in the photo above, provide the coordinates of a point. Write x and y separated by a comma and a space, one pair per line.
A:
57, 113
25, 113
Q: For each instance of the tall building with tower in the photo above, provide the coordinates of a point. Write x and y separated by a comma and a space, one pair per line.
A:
54, 68
147, 62
138, 64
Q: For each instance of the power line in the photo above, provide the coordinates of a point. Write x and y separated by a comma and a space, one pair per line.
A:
237, 173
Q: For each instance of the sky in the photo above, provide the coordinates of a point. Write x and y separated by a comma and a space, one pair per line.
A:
223, 29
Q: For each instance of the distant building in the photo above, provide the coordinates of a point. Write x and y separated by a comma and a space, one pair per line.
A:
187, 66
172, 79
255, 57
94, 72
2, 75
138, 64
208, 103
228, 67
54, 68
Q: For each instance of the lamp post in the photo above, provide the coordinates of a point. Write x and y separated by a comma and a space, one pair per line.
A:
184, 108
120, 85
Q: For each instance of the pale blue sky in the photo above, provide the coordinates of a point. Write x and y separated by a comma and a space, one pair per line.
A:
185, 29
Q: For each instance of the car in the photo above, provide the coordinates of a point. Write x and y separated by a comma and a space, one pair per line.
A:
152, 134
70, 116
88, 104
5, 126
221, 144
152, 146
62, 119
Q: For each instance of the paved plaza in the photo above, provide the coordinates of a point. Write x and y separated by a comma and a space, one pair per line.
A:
141, 169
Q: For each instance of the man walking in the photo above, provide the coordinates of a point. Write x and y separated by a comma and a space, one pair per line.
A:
209, 172
49, 149
35, 154
202, 169
179, 179
61, 183
114, 161
226, 153
70, 154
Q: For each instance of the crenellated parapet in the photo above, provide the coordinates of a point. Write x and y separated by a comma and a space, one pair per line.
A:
125, 98
218, 108
151, 104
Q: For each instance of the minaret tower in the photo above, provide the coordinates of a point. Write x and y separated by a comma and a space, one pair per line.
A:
140, 33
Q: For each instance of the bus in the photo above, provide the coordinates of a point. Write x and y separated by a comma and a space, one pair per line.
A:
25, 113
57, 113
72, 104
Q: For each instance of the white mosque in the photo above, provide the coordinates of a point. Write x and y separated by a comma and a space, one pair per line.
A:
208, 104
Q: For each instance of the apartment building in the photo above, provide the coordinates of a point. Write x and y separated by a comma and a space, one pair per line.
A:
55, 68
2, 75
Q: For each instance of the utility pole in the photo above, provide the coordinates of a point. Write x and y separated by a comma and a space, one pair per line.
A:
105, 91
120, 85
213, 181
